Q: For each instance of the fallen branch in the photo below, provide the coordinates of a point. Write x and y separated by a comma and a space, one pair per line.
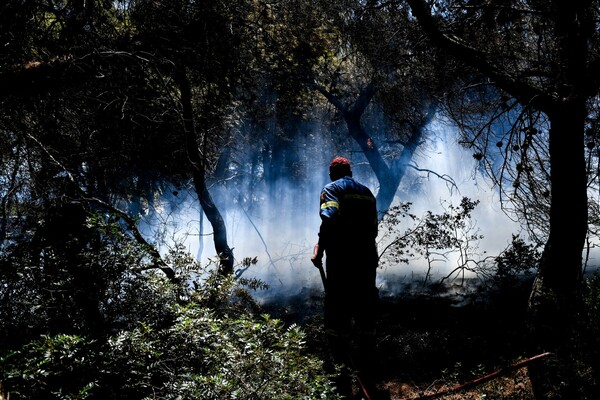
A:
479, 381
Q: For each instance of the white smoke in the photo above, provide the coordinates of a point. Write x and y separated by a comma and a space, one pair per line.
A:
281, 233
448, 173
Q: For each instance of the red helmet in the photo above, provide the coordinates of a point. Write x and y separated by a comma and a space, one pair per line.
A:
339, 167
339, 161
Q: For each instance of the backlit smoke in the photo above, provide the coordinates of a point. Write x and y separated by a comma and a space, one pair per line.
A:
278, 222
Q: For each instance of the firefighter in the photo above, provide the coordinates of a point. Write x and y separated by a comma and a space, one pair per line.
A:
347, 238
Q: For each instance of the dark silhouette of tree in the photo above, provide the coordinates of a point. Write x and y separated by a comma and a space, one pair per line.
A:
198, 167
202, 44
543, 56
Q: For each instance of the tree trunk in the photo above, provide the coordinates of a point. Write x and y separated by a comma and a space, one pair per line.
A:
389, 177
555, 295
199, 177
554, 300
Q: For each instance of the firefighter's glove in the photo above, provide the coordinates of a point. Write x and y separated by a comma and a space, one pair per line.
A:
317, 257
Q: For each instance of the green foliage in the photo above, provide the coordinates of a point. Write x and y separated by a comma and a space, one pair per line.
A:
49, 367
436, 238
152, 338
519, 259
399, 249
203, 356
592, 299
199, 356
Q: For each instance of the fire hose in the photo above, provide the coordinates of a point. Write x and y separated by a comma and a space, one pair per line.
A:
480, 380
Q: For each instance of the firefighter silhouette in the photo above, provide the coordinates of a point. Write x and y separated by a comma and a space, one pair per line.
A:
347, 239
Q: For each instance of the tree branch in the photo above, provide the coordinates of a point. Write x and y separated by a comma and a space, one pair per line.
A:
363, 100
334, 100
476, 58
158, 262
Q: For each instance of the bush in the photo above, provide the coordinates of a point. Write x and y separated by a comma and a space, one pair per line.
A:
588, 338
516, 262
205, 357
203, 354
196, 337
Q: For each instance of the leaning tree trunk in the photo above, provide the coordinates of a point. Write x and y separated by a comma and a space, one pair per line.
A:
554, 300
389, 180
199, 177
389, 177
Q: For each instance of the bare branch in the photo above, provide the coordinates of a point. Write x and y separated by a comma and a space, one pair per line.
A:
158, 262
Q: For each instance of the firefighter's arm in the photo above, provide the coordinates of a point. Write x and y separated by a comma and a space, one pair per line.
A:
329, 209
317, 256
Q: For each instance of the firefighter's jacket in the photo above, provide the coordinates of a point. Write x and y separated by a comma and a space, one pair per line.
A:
348, 232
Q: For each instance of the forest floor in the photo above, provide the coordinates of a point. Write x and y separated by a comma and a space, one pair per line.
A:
429, 344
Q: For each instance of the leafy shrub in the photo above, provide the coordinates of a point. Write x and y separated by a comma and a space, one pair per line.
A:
437, 238
203, 354
205, 357
49, 367
588, 338
194, 337
518, 260
434, 238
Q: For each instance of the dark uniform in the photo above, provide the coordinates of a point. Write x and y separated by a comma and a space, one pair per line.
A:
347, 236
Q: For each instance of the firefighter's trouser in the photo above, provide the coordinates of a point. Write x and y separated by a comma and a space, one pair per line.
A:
350, 322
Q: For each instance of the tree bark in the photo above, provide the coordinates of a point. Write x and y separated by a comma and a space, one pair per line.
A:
388, 176
555, 296
197, 165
